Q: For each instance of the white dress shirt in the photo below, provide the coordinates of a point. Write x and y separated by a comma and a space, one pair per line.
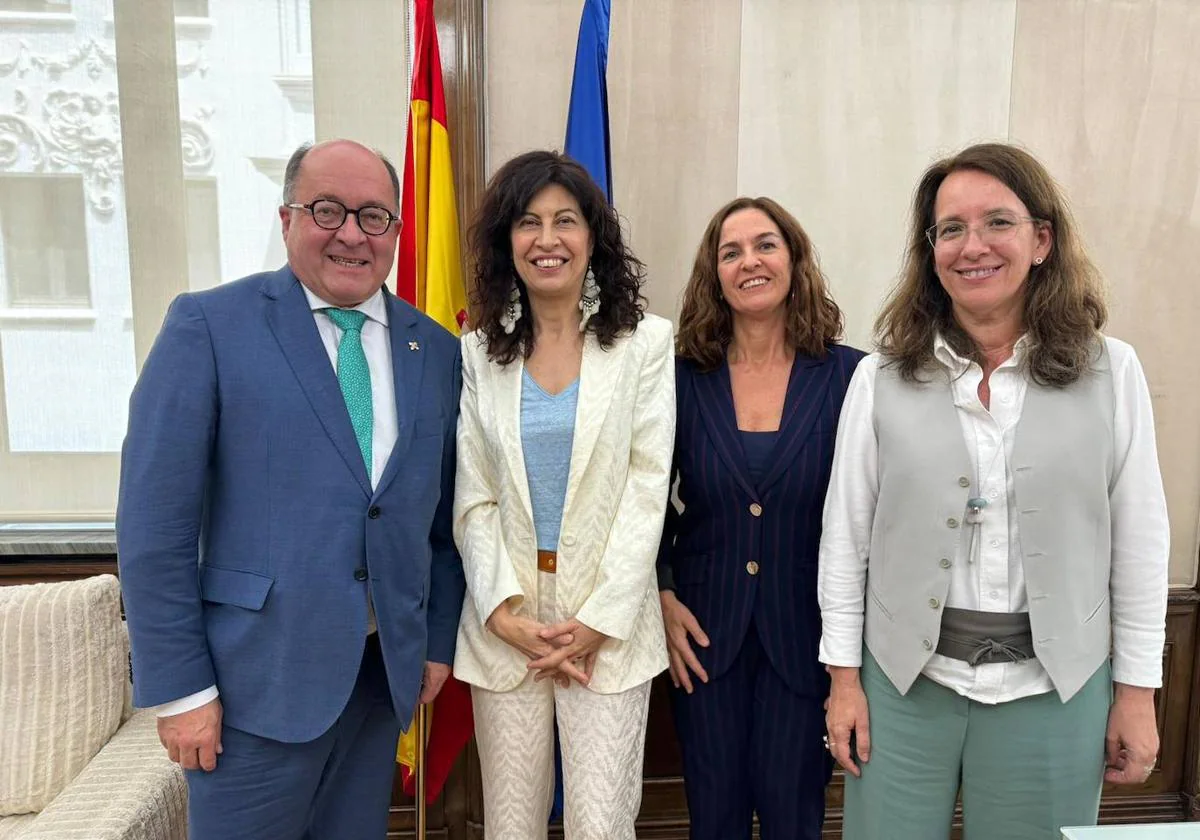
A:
385, 423
992, 578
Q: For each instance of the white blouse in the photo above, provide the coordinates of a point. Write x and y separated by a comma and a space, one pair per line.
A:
991, 577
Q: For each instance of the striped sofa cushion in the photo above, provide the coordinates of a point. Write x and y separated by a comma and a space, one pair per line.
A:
63, 677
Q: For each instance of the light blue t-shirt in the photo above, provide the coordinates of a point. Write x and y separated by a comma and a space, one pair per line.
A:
547, 435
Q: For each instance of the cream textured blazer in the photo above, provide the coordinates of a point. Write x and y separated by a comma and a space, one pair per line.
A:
617, 492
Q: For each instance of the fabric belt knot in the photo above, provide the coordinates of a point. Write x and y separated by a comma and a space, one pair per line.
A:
354, 377
980, 638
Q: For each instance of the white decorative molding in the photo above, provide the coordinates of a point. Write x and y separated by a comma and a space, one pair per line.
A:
298, 90
90, 53
81, 132
195, 27
198, 63
48, 19
17, 315
272, 167
95, 57
198, 150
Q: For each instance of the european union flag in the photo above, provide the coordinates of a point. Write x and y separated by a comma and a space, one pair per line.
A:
587, 119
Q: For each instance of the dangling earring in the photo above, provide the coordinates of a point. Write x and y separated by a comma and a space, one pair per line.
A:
512, 312
589, 300
1037, 260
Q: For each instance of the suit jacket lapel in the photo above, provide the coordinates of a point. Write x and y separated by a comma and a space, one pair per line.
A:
506, 394
598, 377
807, 385
714, 393
408, 368
291, 321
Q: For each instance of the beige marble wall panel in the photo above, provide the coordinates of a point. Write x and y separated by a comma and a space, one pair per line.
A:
673, 113
530, 57
360, 73
673, 85
1105, 93
845, 102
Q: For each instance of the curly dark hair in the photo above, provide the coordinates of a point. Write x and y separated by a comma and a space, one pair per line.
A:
1064, 306
814, 321
619, 274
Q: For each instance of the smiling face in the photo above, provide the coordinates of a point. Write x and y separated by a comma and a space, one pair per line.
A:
343, 267
983, 272
551, 245
753, 264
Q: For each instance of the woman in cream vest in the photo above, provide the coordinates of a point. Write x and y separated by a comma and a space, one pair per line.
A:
995, 516
564, 455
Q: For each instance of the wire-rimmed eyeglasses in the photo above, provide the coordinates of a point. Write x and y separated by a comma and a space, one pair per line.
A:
329, 214
998, 227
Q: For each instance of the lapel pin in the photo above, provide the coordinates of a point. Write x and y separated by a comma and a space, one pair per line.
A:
414, 345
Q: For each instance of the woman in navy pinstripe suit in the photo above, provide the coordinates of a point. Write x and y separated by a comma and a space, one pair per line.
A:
760, 382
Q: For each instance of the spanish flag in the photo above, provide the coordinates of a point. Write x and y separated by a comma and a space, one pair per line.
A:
429, 276
429, 267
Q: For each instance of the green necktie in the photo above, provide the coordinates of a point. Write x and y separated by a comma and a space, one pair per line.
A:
354, 376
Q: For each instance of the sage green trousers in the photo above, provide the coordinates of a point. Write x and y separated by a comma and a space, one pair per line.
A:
1025, 768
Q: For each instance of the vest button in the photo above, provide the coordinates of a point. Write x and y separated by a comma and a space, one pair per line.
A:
756, 509
944, 563
928, 645
934, 603
752, 568
963, 481
360, 573
951, 522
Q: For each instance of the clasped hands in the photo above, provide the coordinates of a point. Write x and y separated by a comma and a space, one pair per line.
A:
562, 652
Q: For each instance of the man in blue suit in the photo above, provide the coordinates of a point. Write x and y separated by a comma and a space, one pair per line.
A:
284, 520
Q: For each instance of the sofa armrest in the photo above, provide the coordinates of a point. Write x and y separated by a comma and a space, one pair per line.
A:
129, 791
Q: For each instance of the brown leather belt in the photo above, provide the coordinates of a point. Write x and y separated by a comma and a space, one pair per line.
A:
547, 561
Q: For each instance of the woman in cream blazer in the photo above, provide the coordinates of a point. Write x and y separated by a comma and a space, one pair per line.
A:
564, 456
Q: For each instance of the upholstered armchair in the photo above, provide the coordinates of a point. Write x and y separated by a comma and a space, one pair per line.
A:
76, 761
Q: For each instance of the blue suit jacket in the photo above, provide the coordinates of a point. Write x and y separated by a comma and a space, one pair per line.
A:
247, 529
706, 549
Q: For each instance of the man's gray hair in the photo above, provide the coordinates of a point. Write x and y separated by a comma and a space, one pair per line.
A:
291, 173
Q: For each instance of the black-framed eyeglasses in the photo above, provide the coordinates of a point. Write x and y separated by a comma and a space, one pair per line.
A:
329, 214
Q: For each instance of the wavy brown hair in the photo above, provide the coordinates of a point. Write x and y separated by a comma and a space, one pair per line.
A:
1064, 307
706, 319
619, 274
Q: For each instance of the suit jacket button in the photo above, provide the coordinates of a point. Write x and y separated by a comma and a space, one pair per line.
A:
568, 539
373, 512
951, 522
963, 481
934, 603
944, 562
756, 509
752, 567
360, 573
928, 645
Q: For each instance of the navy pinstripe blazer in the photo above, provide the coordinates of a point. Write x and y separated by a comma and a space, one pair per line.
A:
727, 522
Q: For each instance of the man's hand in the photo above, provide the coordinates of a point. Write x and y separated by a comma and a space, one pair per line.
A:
193, 739
436, 674
679, 623
1131, 744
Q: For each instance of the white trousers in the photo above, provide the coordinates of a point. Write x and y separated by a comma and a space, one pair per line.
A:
603, 740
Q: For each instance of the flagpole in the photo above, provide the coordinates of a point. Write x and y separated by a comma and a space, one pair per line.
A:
422, 724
